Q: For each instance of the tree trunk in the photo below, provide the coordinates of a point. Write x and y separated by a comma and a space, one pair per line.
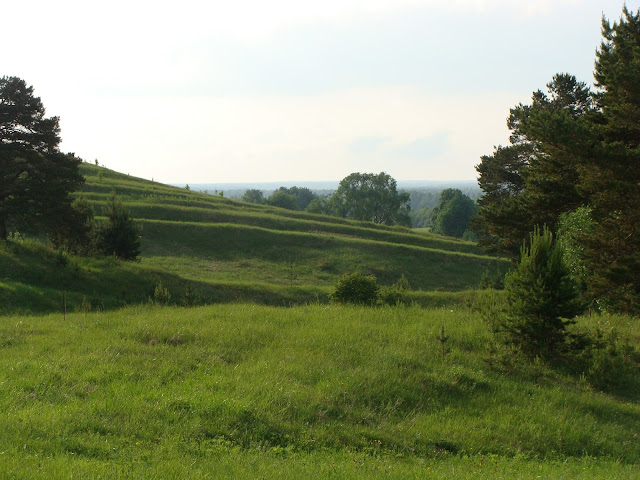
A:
3, 227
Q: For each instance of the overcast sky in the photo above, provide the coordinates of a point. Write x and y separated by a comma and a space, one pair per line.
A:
255, 91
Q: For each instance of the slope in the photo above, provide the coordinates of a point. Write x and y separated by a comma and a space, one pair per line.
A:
208, 248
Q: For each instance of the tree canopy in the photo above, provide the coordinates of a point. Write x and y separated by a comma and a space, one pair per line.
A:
453, 212
253, 195
293, 198
574, 148
35, 177
370, 197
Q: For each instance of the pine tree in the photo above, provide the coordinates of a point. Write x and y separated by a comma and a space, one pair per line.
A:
612, 179
542, 298
119, 235
35, 178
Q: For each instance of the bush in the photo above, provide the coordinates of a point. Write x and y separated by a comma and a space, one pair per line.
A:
161, 295
119, 235
356, 288
610, 365
395, 294
391, 296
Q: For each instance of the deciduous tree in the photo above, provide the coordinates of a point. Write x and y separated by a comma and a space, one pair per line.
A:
452, 214
371, 197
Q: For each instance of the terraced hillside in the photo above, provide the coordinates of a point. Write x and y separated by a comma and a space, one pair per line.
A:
207, 248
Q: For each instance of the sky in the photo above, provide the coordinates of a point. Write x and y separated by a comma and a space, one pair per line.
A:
291, 90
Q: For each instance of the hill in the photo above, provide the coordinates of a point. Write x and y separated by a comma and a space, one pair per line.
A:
206, 248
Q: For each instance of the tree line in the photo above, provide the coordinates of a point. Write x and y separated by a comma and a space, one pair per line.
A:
375, 198
572, 167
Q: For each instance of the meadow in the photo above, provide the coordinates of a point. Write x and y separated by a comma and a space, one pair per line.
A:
251, 372
320, 391
207, 249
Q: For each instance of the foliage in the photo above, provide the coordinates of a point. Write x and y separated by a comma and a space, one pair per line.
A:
391, 295
611, 366
161, 294
77, 234
572, 148
395, 294
253, 195
453, 213
283, 199
542, 299
293, 198
370, 197
22, 118
356, 288
492, 278
502, 222
317, 205
36, 178
533, 181
119, 235
573, 227
421, 218
612, 179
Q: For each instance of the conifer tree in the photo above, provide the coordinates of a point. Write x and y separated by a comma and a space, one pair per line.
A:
612, 179
35, 177
119, 235
542, 297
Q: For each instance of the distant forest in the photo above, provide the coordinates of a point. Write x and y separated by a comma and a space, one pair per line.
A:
423, 198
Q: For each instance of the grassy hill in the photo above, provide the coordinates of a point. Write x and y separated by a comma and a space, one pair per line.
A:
314, 390
206, 248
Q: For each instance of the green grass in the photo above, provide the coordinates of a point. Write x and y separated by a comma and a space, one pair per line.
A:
229, 251
247, 388
252, 391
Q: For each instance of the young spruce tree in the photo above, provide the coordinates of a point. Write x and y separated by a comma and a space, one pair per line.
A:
119, 235
542, 299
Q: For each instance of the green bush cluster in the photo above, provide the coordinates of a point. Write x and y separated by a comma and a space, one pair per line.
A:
356, 288
359, 289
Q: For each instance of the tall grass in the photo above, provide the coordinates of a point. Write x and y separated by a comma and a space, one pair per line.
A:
303, 389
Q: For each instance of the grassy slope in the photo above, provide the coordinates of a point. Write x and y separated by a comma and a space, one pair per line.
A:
248, 391
245, 391
230, 251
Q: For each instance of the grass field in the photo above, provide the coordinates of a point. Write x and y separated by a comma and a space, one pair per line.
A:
252, 391
266, 378
227, 251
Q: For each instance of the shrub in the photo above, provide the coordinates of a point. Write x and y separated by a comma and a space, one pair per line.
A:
356, 288
610, 365
119, 235
190, 297
403, 284
161, 295
391, 295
